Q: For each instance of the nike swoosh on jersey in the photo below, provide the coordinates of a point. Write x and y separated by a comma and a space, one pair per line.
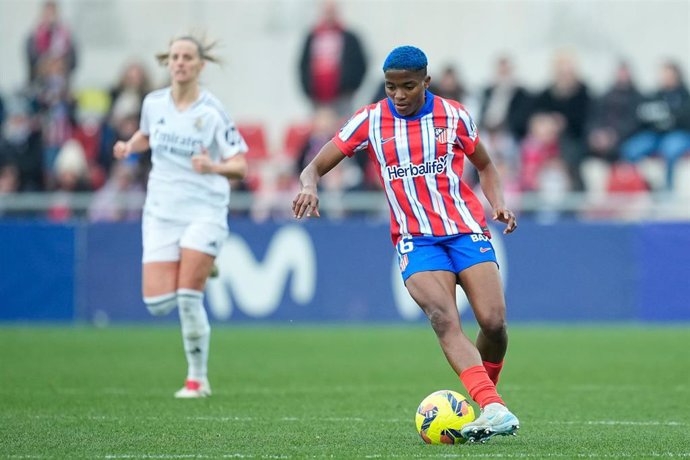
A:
383, 141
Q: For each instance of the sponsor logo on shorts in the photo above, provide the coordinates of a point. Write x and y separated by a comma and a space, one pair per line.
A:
477, 237
483, 250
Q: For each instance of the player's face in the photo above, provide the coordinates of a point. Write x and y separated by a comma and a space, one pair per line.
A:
184, 62
406, 89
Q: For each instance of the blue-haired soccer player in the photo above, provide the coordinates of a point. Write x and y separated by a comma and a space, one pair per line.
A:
438, 226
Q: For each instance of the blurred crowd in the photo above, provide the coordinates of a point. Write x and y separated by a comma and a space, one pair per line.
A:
562, 138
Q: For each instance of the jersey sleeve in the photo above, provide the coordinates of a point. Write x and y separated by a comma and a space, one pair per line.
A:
353, 137
228, 138
144, 125
466, 131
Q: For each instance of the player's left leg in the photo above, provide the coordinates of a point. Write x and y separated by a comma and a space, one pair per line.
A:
484, 290
199, 245
482, 284
196, 329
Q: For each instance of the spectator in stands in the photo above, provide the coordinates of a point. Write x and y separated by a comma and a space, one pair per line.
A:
92, 106
121, 198
134, 84
53, 100
539, 150
664, 120
21, 144
9, 178
448, 85
71, 175
2, 111
332, 63
612, 116
50, 39
324, 126
346, 176
122, 120
504, 113
568, 100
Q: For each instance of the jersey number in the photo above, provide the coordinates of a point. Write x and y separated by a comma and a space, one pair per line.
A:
405, 245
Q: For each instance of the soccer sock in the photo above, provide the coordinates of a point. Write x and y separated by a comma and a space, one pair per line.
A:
196, 332
493, 369
479, 386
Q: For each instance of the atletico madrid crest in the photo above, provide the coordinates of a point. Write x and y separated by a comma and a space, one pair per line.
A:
445, 135
403, 262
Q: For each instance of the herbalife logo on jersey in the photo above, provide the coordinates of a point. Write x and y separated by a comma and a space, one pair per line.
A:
412, 170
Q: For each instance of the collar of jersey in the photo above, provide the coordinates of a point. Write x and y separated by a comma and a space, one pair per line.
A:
202, 96
426, 109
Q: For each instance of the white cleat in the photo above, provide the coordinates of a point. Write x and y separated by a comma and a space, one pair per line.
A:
194, 389
495, 419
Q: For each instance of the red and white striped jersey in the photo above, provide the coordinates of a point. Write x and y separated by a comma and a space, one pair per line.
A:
420, 160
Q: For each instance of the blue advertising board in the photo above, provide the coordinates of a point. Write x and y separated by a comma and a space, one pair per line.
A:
347, 271
38, 272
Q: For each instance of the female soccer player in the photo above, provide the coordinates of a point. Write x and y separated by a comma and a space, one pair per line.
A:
420, 141
195, 150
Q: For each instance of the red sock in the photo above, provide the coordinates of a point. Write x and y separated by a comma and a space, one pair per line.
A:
493, 369
479, 386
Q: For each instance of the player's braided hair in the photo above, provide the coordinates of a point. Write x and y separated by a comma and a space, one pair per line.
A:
203, 47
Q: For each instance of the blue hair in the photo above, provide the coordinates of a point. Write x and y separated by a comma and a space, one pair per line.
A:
405, 58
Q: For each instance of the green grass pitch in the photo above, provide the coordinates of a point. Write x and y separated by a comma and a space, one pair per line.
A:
335, 392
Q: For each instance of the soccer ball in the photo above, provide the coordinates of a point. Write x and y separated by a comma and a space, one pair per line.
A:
441, 415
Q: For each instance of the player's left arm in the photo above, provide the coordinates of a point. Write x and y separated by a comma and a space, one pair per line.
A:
229, 142
490, 182
234, 167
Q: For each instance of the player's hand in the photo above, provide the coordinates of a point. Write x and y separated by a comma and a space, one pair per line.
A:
202, 162
507, 217
306, 203
122, 149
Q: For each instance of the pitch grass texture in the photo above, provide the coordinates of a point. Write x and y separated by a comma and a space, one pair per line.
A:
335, 392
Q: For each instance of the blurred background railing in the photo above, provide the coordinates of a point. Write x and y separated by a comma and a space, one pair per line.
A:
655, 206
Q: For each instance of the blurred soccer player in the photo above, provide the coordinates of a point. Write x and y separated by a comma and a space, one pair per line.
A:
419, 142
195, 150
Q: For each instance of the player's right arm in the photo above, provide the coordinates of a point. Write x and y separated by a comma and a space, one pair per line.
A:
307, 200
139, 142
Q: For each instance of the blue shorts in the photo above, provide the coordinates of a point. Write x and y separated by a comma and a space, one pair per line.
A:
448, 253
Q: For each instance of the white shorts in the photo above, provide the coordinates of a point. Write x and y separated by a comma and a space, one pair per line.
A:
163, 239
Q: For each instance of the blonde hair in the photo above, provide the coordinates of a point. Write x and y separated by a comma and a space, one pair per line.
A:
203, 47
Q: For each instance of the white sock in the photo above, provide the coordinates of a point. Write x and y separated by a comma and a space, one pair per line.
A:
196, 332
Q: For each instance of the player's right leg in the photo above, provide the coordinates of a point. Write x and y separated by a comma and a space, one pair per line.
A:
434, 292
160, 262
159, 286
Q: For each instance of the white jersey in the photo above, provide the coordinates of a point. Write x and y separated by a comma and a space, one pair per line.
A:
175, 190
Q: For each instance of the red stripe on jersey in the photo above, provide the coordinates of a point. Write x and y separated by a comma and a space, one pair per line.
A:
475, 207
416, 137
390, 153
457, 165
467, 197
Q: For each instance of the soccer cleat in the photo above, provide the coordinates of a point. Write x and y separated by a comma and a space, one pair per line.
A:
194, 389
495, 419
